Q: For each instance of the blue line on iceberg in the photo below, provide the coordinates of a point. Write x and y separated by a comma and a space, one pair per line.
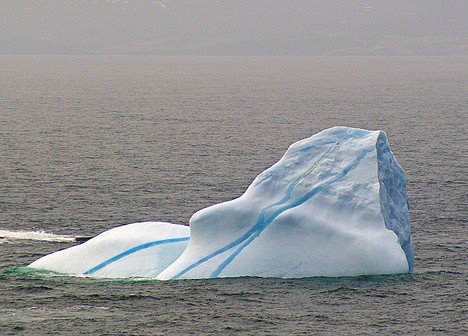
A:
254, 229
263, 222
134, 250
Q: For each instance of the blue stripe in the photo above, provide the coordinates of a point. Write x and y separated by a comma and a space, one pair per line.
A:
263, 222
254, 229
134, 250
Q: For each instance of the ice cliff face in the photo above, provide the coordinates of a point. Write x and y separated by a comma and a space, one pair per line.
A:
334, 205
394, 197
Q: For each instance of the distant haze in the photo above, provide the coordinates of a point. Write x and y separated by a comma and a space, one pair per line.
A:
210, 27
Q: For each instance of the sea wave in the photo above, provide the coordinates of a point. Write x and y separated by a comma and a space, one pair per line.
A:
35, 235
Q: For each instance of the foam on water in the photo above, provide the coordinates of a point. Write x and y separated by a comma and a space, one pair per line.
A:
35, 235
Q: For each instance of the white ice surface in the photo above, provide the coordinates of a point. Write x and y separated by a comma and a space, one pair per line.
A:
334, 205
133, 250
316, 212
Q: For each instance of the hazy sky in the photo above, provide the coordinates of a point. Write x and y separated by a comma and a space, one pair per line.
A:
235, 27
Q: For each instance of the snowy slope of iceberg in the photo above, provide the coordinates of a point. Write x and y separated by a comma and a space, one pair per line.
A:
133, 250
334, 205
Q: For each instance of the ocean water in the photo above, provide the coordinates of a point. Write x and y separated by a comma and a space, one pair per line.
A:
89, 143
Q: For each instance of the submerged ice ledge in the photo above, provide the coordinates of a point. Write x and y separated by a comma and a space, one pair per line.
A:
334, 205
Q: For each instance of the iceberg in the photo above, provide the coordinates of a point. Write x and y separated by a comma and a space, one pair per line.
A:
334, 205
132, 250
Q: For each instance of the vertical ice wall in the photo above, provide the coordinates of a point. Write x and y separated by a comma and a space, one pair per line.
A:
394, 197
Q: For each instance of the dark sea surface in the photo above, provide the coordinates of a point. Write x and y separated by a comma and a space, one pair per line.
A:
90, 143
